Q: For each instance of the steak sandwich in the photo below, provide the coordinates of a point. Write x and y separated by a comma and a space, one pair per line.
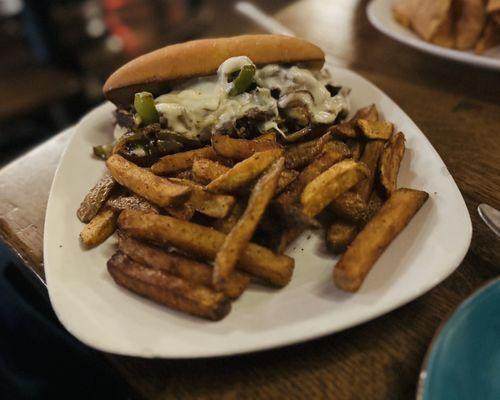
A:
176, 98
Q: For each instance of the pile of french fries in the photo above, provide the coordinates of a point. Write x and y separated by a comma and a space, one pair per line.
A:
196, 227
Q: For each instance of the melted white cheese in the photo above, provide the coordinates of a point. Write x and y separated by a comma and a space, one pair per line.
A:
200, 104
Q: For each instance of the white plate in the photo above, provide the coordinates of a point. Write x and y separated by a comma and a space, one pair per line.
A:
101, 314
380, 15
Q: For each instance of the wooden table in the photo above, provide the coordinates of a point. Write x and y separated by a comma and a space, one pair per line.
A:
456, 106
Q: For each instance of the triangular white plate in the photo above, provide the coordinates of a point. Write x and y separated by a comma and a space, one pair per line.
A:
380, 15
102, 315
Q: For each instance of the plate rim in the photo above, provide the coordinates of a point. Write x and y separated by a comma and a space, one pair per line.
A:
290, 340
426, 47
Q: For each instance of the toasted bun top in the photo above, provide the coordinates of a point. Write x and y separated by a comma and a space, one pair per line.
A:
163, 68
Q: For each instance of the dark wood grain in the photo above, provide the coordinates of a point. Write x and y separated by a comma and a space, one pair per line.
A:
458, 109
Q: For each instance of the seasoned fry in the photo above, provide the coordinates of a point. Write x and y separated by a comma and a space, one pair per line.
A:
192, 271
144, 183
369, 113
205, 171
168, 289
489, 38
99, 228
356, 148
239, 237
344, 130
244, 172
333, 152
300, 155
390, 162
340, 235
181, 161
371, 155
373, 207
184, 211
206, 242
95, 198
349, 206
239, 149
210, 204
370, 243
131, 202
330, 184
288, 235
225, 225
375, 129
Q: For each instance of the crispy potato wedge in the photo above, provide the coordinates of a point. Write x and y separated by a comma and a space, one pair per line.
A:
492, 6
489, 38
370, 113
131, 202
402, 10
210, 204
371, 156
470, 18
340, 234
206, 242
226, 224
184, 211
344, 130
390, 162
167, 289
239, 149
205, 171
375, 129
348, 130
192, 271
144, 183
244, 172
96, 198
181, 161
239, 237
371, 242
99, 228
356, 148
333, 152
373, 207
336, 180
349, 206
299, 155
288, 235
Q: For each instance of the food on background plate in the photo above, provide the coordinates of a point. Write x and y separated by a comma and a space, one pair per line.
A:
224, 152
459, 24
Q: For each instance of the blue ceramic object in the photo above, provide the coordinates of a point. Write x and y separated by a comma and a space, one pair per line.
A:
464, 361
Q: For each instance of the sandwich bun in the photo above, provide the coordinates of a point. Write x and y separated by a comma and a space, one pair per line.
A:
162, 69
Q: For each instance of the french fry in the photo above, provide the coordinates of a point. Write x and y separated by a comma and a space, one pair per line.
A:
205, 171
340, 234
184, 211
239, 149
373, 207
239, 237
356, 148
181, 161
331, 184
352, 204
210, 204
288, 235
206, 242
333, 152
371, 155
390, 162
95, 198
300, 155
369, 113
349, 206
227, 223
375, 129
192, 271
370, 243
167, 289
244, 172
144, 183
131, 202
99, 228
347, 130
